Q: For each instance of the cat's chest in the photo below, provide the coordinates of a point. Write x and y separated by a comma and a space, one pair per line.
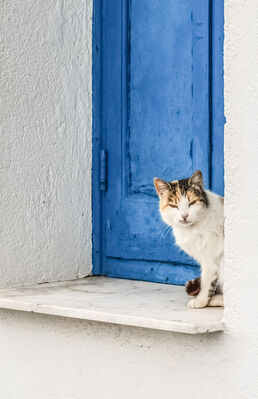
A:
194, 243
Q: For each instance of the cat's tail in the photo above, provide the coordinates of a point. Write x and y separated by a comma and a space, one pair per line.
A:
193, 287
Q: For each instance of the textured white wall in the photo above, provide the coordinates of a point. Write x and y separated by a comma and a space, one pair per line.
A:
46, 357
49, 357
45, 140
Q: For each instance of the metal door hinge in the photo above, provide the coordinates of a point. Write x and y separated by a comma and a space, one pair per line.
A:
103, 170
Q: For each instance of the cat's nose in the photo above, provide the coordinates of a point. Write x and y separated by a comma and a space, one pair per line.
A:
184, 216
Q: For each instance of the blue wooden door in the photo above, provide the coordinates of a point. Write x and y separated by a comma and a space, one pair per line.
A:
156, 119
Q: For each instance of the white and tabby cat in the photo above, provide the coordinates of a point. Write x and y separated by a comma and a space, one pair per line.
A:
197, 218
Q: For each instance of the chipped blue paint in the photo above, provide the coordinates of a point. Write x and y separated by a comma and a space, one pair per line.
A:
158, 111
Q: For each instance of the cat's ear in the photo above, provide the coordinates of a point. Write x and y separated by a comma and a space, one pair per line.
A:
196, 179
161, 186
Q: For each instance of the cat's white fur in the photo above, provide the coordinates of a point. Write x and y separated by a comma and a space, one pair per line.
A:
202, 237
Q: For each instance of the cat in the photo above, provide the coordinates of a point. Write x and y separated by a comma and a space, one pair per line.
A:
197, 218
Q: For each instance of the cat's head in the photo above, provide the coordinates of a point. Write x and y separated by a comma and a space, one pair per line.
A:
182, 202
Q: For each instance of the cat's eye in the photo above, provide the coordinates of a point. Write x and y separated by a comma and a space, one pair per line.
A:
192, 203
173, 206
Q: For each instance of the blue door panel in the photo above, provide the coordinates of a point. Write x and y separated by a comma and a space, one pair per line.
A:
157, 272
168, 120
156, 120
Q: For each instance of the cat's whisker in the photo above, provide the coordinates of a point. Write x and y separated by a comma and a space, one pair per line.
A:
165, 232
168, 231
162, 227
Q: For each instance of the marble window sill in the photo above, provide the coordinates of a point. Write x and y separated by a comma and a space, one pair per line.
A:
127, 302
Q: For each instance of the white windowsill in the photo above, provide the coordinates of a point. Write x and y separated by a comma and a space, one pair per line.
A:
127, 302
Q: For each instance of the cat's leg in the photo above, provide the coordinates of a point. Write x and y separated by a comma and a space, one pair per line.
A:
209, 280
193, 287
216, 300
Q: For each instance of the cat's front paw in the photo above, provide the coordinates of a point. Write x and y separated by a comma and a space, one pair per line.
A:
197, 303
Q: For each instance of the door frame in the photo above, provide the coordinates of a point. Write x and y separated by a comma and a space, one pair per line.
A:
216, 116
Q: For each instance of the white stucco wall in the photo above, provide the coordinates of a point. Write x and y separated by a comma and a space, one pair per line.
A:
46, 357
45, 140
49, 357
